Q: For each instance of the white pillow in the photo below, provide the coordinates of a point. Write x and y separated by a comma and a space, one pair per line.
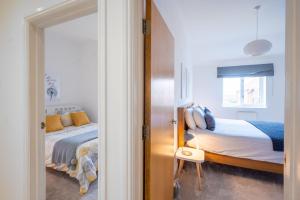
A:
66, 119
199, 118
188, 115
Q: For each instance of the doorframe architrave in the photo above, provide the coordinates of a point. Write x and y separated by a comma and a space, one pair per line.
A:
124, 61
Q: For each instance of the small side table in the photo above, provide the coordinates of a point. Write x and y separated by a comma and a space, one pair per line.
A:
197, 157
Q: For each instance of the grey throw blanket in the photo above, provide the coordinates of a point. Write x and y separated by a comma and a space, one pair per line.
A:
64, 151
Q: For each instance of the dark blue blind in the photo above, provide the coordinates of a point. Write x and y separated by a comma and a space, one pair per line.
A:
246, 71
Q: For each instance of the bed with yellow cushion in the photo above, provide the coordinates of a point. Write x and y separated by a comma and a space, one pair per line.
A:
71, 144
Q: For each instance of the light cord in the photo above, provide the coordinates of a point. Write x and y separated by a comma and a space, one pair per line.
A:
257, 24
257, 19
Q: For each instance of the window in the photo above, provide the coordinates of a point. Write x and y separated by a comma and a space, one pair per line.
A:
244, 92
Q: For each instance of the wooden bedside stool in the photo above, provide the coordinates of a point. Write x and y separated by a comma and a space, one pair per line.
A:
196, 156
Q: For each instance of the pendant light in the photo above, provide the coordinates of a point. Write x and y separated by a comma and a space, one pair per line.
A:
259, 46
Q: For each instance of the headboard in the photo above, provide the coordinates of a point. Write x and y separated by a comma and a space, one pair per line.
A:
182, 126
52, 110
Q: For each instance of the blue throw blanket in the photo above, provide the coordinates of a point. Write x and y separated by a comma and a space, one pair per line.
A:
64, 151
274, 130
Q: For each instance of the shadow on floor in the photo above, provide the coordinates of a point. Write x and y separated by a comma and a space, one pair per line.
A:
222, 182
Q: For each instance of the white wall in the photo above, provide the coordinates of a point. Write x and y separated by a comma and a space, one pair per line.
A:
74, 64
89, 79
171, 15
12, 102
207, 88
13, 94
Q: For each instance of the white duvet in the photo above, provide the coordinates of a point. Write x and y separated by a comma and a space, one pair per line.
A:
86, 155
236, 138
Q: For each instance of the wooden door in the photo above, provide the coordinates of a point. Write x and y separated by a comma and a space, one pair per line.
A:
159, 107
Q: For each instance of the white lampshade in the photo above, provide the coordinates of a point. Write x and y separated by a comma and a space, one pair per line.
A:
257, 47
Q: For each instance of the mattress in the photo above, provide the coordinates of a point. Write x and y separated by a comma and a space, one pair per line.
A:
236, 138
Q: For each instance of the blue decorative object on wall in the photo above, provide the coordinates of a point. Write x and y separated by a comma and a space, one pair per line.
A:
52, 88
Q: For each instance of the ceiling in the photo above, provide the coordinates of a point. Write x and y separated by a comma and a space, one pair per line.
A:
219, 29
213, 29
83, 28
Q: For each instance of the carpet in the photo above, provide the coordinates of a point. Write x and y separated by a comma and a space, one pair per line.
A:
222, 182
60, 186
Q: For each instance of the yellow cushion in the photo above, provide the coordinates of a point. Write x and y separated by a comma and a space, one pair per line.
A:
80, 118
53, 123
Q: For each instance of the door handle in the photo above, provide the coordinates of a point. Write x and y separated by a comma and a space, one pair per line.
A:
173, 121
43, 125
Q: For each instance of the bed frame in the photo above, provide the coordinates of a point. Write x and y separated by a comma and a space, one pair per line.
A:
223, 159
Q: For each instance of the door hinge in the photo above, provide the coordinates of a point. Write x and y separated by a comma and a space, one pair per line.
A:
146, 27
146, 132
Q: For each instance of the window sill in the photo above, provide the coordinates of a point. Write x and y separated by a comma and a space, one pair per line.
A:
245, 107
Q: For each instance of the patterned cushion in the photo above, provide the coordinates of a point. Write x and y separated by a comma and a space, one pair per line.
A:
66, 119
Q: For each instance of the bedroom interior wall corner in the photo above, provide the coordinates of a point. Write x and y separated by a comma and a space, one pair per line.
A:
89, 86
74, 64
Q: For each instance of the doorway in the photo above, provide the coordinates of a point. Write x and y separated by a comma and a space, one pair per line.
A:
204, 78
71, 91
40, 79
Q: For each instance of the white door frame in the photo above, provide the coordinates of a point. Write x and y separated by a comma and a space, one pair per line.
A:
292, 102
120, 92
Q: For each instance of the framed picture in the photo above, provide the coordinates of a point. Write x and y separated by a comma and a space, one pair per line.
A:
52, 89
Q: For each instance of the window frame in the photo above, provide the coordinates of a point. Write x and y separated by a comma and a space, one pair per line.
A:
262, 94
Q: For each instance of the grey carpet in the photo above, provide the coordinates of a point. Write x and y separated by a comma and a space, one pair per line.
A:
222, 182
59, 186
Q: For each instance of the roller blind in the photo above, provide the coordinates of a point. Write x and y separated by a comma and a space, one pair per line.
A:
246, 71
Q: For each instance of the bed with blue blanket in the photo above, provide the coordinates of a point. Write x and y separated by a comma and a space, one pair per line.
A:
74, 150
251, 144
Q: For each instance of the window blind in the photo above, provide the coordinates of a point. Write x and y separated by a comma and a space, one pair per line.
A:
246, 71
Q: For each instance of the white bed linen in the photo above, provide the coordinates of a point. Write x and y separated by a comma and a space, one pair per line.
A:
236, 138
84, 153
